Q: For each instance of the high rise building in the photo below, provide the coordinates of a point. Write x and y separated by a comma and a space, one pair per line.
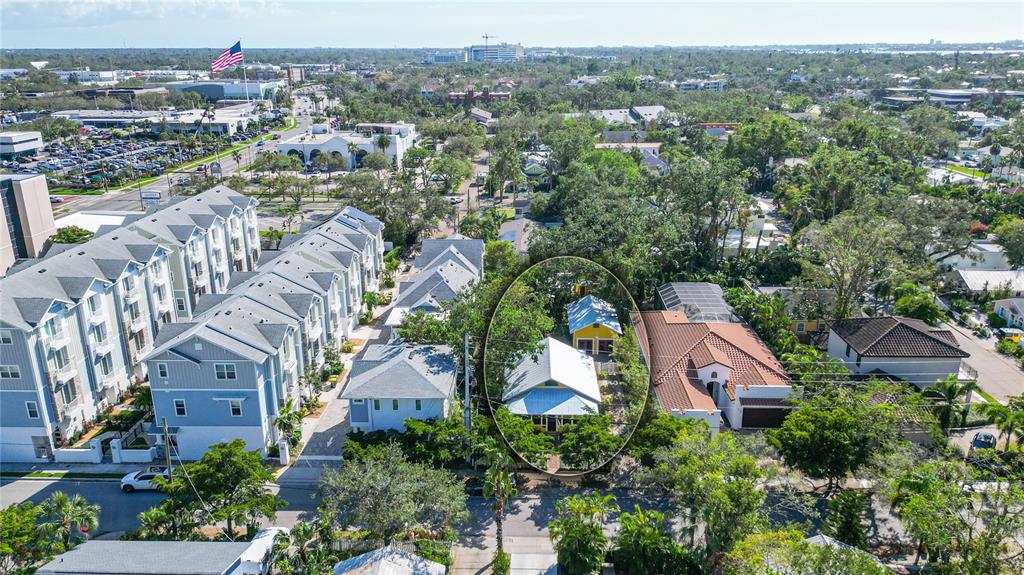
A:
503, 52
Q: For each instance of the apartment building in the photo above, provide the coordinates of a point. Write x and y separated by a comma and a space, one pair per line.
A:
226, 373
27, 218
73, 326
208, 237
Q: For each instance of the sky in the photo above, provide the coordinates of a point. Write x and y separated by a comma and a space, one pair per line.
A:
565, 23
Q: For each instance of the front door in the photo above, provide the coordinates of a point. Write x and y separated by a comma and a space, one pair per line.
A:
586, 345
552, 424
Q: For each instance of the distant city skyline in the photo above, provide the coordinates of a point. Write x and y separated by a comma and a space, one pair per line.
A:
428, 24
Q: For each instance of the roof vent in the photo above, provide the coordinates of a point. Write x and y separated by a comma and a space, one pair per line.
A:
42, 271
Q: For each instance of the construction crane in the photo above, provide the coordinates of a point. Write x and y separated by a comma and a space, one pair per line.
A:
487, 39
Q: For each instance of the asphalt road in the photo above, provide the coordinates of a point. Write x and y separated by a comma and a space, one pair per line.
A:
999, 375
119, 511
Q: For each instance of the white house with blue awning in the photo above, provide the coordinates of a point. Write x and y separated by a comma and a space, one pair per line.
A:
553, 387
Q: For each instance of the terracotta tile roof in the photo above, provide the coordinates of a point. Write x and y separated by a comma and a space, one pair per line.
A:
677, 349
896, 337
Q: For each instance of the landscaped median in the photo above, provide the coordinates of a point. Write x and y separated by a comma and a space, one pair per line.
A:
966, 171
59, 474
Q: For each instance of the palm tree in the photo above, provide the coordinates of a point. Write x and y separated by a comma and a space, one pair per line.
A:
289, 423
499, 484
1008, 421
383, 141
951, 398
353, 150
64, 514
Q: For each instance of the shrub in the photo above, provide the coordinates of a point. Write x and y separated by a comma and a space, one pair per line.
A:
502, 563
433, 550
995, 321
347, 347
1009, 347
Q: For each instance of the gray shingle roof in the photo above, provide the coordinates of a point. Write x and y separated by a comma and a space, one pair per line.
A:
896, 337
146, 557
472, 249
395, 371
388, 561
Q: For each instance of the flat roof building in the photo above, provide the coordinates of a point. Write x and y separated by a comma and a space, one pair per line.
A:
17, 144
214, 90
503, 52
27, 218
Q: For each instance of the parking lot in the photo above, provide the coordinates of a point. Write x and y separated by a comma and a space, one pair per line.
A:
107, 158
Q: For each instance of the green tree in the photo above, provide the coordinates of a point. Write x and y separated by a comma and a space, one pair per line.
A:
714, 483
850, 255
499, 483
786, 552
578, 532
289, 423
229, 484
65, 515
922, 306
388, 495
1010, 234
952, 400
659, 432
21, 544
1008, 419
588, 442
823, 443
845, 519
376, 161
644, 546
531, 445
71, 235
501, 259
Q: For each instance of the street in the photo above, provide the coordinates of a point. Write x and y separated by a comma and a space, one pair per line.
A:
998, 375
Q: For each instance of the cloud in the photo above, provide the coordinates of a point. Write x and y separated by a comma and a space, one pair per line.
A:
33, 14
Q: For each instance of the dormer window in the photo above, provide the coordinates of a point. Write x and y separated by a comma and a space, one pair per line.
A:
714, 375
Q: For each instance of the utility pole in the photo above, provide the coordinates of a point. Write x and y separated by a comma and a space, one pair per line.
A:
466, 379
167, 449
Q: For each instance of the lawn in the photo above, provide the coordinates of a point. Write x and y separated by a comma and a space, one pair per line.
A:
76, 192
289, 123
212, 158
966, 171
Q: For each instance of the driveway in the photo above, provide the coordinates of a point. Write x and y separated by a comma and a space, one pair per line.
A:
998, 375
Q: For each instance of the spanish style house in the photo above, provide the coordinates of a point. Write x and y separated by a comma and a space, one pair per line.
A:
712, 371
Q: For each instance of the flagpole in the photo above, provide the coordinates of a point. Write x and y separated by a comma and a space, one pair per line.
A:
244, 78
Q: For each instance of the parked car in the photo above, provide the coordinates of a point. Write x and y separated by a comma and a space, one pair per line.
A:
143, 480
455, 200
983, 440
56, 200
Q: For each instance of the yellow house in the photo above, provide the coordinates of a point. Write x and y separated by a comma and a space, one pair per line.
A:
593, 325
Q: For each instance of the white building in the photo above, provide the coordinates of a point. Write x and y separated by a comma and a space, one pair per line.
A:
903, 348
353, 145
89, 76
554, 387
984, 254
17, 144
980, 282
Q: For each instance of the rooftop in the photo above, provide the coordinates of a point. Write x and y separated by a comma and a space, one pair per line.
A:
146, 557
891, 336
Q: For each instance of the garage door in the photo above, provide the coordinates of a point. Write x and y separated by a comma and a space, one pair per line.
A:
761, 417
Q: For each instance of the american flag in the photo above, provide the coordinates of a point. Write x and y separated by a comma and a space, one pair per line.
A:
227, 58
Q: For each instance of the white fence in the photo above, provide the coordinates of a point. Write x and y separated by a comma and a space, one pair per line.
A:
119, 454
93, 454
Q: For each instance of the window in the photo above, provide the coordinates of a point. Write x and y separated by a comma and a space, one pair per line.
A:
159, 291
99, 332
61, 358
236, 407
51, 327
847, 350
67, 392
858, 360
133, 310
394, 405
376, 405
33, 409
161, 370
180, 302
225, 370
94, 303
419, 405
106, 364
800, 327
10, 372
128, 283
179, 408
714, 375
6, 337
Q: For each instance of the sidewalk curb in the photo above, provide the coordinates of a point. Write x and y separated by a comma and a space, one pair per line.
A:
85, 479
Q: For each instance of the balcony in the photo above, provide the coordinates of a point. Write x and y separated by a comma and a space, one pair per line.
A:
59, 339
58, 376
102, 347
201, 279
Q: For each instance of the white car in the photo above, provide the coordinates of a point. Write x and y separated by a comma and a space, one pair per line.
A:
143, 480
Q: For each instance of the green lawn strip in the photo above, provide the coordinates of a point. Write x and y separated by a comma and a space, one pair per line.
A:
966, 171
212, 158
985, 395
136, 184
76, 192
60, 475
289, 124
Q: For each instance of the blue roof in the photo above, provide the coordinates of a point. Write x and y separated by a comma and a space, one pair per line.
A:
590, 311
552, 401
